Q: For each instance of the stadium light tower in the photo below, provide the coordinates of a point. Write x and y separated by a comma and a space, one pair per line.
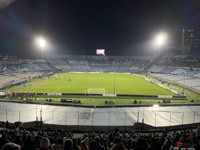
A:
161, 40
42, 44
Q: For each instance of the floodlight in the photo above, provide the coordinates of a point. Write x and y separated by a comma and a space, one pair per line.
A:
161, 39
42, 42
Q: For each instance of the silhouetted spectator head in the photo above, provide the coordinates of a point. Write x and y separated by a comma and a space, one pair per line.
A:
68, 144
84, 145
93, 145
75, 141
118, 146
60, 141
11, 146
97, 139
75, 144
132, 144
58, 145
117, 140
44, 143
142, 144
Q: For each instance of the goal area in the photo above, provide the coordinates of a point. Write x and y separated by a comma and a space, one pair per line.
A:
96, 91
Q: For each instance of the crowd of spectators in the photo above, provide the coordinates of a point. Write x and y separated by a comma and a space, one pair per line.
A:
191, 61
95, 63
47, 139
66, 63
179, 63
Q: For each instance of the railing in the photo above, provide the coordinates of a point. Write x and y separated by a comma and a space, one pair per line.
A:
100, 117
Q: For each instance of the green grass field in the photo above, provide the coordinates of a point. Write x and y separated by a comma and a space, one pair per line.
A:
81, 82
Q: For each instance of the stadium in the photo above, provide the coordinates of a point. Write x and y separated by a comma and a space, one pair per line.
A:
81, 93
93, 78
106, 77
103, 81
78, 92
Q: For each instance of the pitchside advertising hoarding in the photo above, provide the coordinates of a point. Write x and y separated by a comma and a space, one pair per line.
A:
100, 51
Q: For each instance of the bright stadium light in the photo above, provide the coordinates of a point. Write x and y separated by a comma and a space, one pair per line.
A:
41, 42
161, 39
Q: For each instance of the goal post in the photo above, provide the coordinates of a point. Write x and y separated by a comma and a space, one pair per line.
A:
96, 91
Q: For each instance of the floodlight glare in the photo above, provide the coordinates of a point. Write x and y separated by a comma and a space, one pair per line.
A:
161, 39
42, 43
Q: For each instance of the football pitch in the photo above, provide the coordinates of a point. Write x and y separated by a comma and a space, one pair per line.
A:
91, 83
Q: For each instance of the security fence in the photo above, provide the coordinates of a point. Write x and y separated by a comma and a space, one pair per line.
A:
165, 116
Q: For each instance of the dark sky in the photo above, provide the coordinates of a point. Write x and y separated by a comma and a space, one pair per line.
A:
121, 27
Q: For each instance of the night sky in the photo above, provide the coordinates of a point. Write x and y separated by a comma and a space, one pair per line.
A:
79, 27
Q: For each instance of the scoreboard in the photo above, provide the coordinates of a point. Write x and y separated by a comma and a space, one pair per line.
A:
100, 51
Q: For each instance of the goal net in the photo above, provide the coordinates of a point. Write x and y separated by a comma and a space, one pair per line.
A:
96, 91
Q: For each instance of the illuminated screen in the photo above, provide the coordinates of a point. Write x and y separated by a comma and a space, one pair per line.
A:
100, 52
